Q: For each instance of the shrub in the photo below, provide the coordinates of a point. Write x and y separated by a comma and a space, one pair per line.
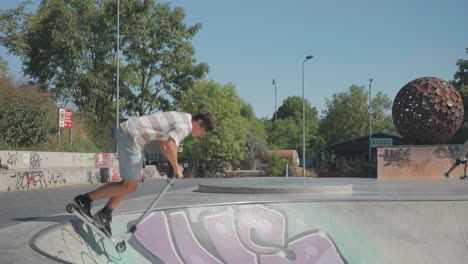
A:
26, 115
277, 166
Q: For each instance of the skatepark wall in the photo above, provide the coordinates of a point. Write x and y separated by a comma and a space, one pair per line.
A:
418, 162
25, 170
365, 232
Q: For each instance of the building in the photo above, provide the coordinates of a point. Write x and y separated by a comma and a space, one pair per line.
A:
351, 158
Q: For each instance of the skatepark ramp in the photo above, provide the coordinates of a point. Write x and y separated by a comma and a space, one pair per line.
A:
322, 232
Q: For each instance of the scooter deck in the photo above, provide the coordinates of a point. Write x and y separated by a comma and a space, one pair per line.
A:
118, 241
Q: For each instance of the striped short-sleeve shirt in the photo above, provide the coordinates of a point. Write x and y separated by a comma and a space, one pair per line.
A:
160, 126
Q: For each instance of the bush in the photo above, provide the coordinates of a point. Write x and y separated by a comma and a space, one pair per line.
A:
277, 166
26, 115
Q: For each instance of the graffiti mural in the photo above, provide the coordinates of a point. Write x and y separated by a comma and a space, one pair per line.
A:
36, 179
102, 160
443, 152
417, 162
246, 234
396, 157
25, 180
93, 177
115, 175
35, 160
12, 158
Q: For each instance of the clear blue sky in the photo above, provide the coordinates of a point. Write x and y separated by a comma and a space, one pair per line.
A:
250, 42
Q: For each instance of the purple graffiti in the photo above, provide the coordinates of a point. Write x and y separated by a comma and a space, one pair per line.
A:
246, 234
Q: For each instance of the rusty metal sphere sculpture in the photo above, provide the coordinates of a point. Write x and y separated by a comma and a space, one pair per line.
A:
428, 111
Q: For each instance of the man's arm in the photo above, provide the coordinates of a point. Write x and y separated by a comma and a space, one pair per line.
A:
169, 149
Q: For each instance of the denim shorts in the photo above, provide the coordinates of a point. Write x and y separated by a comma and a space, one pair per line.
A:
130, 157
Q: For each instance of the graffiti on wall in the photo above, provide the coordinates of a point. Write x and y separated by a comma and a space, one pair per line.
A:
246, 234
12, 158
35, 160
93, 177
115, 175
102, 160
444, 152
36, 179
396, 157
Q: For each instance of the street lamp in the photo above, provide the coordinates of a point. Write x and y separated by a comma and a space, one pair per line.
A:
118, 77
276, 115
370, 120
308, 57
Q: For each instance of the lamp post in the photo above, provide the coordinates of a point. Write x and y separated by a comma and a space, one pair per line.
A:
276, 115
370, 120
118, 77
308, 57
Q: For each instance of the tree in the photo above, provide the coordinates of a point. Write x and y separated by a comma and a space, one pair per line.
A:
3, 67
460, 81
230, 141
286, 132
347, 115
276, 165
157, 48
381, 106
460, 78
22, 126
257, 145
69, 48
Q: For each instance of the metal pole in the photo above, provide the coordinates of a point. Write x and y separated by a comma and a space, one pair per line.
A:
303, 118
59, 126
370, 120
276, 115
118, 77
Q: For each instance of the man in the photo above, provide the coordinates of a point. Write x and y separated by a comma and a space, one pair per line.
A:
169, 128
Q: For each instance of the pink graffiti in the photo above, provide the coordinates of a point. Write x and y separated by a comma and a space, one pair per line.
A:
246, 234
102, 160
115, 175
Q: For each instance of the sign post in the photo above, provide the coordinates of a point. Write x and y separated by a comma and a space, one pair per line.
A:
66, 121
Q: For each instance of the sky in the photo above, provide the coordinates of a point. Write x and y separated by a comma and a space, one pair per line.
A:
250, 42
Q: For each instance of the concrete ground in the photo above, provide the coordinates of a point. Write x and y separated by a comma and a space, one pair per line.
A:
422, 221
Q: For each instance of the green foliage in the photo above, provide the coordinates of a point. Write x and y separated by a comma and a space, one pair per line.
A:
24, 114
225, 105
3, 67
98, 132
286, 132
257, 145
276, 165
347, 115
460, 81
69, 48
381, 116
460, 78
159, 55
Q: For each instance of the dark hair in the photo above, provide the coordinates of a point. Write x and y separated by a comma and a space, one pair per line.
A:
207, 119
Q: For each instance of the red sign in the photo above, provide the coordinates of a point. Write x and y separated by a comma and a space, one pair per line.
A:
65, 118
68, 118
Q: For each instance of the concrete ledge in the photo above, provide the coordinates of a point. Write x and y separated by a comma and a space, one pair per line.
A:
275, 185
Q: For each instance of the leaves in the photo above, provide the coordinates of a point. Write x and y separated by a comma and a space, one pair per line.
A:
347, 115
225, 106
24, 114
286, 132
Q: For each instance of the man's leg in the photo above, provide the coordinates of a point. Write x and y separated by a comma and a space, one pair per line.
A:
116, 192
457, 162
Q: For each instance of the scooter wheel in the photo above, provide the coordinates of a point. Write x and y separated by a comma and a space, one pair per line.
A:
71, 207
120, 247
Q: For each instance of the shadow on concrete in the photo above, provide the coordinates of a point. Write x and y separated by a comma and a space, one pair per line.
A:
55, 218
